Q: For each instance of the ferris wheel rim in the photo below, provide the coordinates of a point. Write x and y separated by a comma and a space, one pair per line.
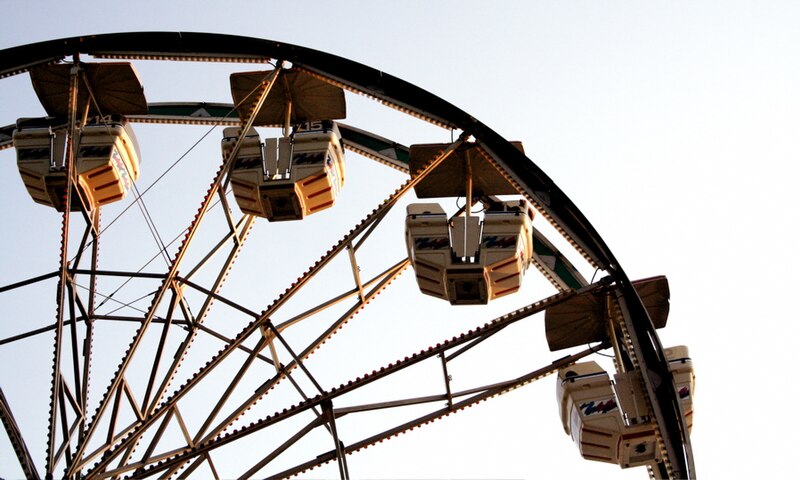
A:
535, 183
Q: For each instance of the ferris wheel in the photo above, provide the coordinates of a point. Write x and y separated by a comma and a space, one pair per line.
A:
271, 290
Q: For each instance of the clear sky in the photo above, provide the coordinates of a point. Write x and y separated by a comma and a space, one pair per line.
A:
672, 125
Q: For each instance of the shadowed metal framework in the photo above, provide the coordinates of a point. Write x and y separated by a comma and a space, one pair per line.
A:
128, 432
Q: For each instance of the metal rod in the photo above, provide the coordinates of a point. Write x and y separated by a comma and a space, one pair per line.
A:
225, 339
118, 273
72, 400
157, 437
356, 270
473, 344
232, 234
467, 207
116, 318
29, 281
114, 411
344, 296
228, 391
84, 240
73, 329
212, 295
194, 466
282, 448
226, 209
88, 338
295, 359
287, 124
71, 158
65, 431
340, 412
82, 462
64, 448
371, 229
446, 380
133, 466
212, 467
182, 424
159, 351
126, 387
327, 409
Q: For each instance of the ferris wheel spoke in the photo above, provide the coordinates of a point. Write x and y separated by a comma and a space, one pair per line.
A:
247, 404
211, 365
173, 270
468, 397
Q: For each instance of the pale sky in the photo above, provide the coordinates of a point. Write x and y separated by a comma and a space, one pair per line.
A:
672, 125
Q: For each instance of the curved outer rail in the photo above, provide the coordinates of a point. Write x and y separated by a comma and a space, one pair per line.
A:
418, 102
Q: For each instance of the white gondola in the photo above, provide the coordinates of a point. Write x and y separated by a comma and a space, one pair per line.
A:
609, 421
428, 242
683, 374
470, 261
107, 163
287, 178
507, 245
